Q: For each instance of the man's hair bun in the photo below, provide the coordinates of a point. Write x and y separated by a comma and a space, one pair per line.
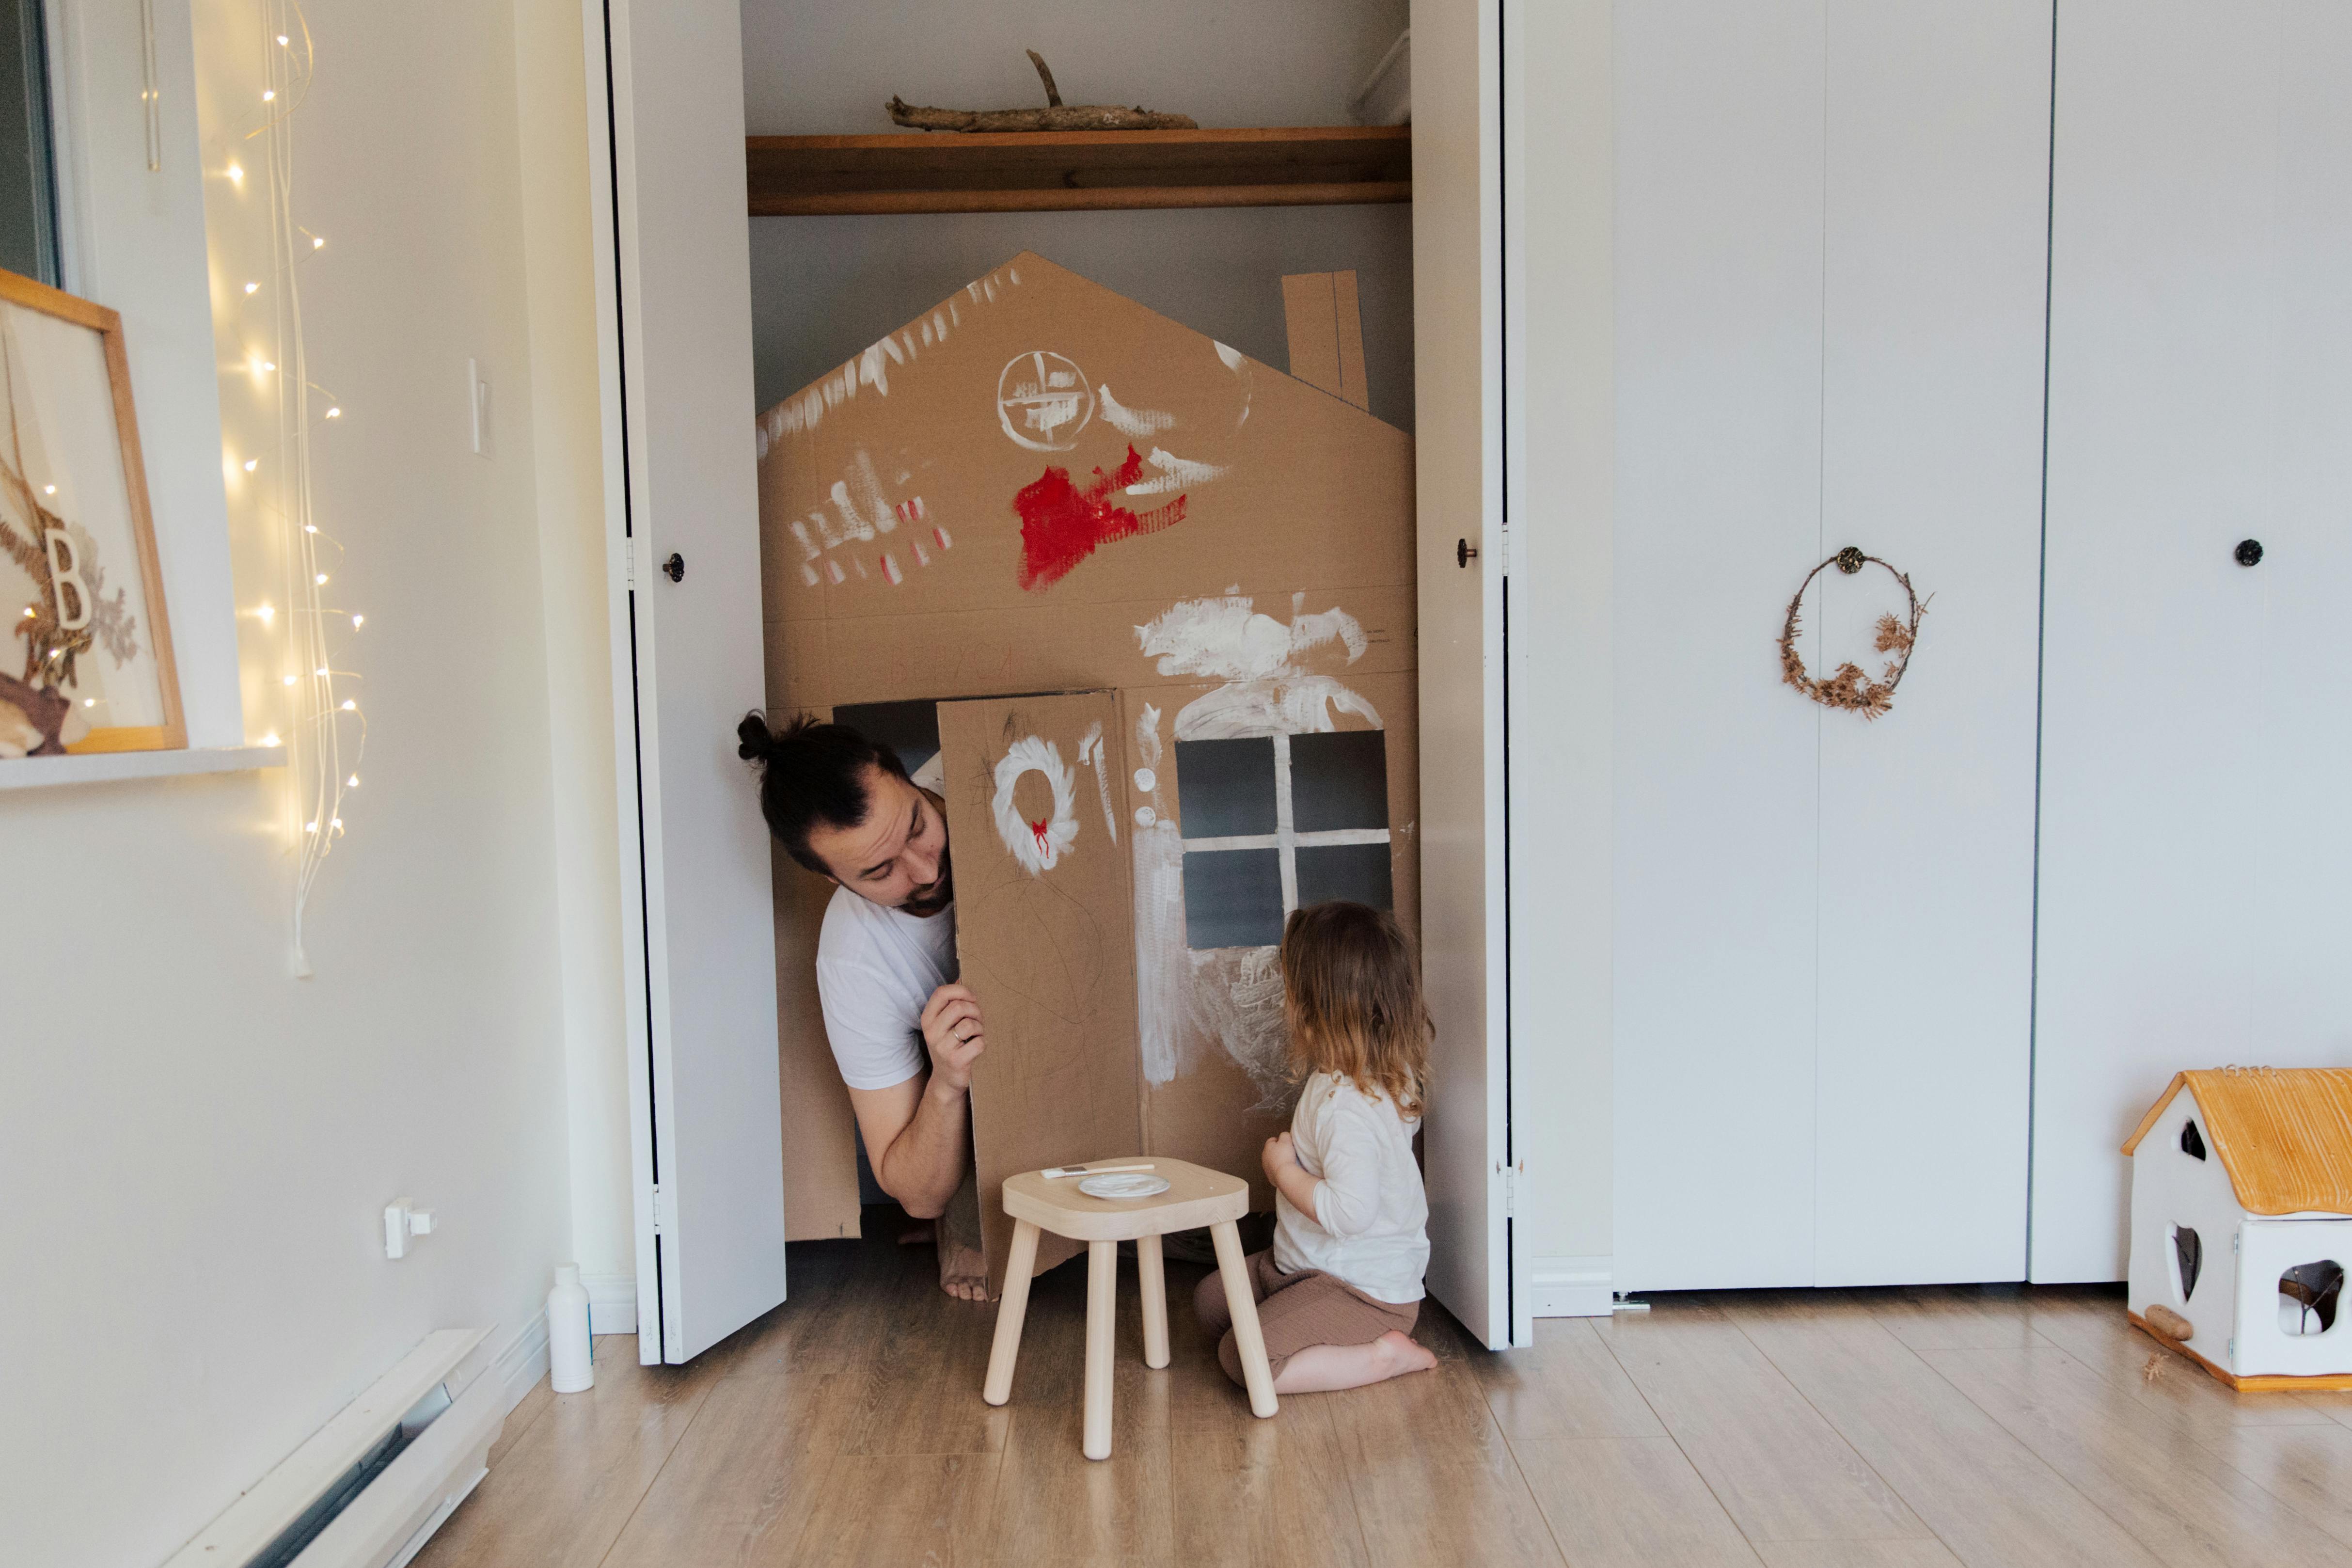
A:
753, 738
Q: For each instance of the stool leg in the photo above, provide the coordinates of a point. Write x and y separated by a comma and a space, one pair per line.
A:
1155, 1301
1102, 1321
1010, 1309
1247, 1339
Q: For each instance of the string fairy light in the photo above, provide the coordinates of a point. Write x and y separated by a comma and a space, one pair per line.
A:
327, 733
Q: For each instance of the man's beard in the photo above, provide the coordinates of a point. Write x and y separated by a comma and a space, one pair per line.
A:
927, 901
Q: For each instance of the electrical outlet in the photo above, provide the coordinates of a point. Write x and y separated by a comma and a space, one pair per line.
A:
402, 1223
478, 394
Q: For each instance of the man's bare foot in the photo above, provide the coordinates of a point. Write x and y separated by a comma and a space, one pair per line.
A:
963, 1272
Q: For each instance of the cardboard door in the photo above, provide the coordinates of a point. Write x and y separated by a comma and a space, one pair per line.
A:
674, 325
1037, 790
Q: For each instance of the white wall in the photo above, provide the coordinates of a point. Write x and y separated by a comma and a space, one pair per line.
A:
823, 288
197, 1146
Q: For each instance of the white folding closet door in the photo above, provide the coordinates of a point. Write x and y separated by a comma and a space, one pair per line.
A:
1829, 269
1718, 271
1935, 265
673, 253
1457, 368
2196, 877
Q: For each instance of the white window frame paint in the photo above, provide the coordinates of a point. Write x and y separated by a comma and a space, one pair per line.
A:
1286, 838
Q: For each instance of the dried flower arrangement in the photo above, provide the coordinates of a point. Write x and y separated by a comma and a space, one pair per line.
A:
1849, 688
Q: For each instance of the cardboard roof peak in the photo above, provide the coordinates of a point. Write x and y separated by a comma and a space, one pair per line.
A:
1007, 491
2283, 1134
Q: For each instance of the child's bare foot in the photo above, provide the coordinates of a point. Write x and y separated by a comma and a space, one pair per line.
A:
963, 1272
1320, 1369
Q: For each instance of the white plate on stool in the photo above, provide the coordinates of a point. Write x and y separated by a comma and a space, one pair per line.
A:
1123, 1185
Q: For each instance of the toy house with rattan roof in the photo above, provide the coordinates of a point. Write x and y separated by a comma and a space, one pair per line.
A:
2241, 1224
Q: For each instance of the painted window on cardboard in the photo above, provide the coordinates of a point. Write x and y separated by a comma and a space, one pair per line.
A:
1274, 822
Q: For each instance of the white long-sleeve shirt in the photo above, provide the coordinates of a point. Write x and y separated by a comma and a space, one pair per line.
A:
1371, 1223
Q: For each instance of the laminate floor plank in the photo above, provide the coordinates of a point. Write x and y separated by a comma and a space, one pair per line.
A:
894, 1509
561, 1495
2307, 1467
2186, 1504
742, 1483
1988, 1498
1566, 1384
1779, 1469
1629, 1502
1956, 1317
2092, 1328
1266, 1494
1929, 1554
1433, 1478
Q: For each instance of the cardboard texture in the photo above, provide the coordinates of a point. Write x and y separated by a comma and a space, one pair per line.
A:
1325, 329
1034, 788
1040, 487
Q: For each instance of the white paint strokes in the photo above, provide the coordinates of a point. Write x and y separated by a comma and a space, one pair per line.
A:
1175, 474
1038, 846
871, 367
1043, 401
1233, 357
1160, 974
1138, 424
1236, 1001
1267, 691
890, 570
854, 524
1093, 749
809, 551
867, 485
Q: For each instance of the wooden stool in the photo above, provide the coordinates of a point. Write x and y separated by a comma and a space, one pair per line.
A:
1194, 1197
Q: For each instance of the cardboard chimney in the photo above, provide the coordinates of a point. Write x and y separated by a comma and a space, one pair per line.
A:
1140, 610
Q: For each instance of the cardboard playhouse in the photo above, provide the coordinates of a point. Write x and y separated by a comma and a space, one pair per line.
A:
1140, 610
2241, 1224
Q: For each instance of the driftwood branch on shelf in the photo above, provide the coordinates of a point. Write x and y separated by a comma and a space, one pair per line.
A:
1055, 116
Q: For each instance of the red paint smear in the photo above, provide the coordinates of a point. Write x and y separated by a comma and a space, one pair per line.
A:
1062, 524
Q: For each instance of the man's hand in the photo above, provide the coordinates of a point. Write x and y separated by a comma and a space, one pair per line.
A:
953, 1035
1277, 1157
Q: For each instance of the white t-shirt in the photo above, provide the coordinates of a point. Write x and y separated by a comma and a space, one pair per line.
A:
875, 968
1371, 1223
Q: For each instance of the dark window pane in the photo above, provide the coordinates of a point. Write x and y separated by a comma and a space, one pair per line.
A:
1224, 789
909, 729
1339, 779
1359, 872
1232, 897
29, 199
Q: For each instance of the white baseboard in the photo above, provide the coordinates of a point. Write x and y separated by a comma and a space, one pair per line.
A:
612, 1303
1570, 1287
523, 1361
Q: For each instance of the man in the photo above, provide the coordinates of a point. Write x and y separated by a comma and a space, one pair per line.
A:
904, 1034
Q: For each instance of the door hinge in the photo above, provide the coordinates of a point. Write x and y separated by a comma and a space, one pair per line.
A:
661, 1219
1507, 547
1510, 1174
629, 563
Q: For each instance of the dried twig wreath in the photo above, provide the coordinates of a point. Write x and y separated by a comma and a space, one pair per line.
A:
1849, 688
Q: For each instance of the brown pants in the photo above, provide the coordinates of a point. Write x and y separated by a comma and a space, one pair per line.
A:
1297, 1311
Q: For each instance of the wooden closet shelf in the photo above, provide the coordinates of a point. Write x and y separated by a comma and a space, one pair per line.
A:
1316, 165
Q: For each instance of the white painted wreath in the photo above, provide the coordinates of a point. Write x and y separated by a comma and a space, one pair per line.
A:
1036, 844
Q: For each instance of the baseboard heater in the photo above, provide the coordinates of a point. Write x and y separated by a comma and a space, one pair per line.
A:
374, 1483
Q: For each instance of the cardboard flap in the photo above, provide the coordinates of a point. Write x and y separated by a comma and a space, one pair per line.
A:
1037, 790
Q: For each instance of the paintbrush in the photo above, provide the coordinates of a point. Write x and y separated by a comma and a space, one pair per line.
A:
1089, 1170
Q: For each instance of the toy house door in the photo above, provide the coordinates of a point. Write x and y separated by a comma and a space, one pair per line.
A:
675, 326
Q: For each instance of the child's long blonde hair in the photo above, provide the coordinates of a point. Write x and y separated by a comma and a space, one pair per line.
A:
1351, 997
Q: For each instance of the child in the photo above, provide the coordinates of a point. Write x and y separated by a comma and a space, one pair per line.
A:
1340, 1291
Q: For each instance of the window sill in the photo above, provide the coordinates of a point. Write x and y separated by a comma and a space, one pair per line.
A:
101, 767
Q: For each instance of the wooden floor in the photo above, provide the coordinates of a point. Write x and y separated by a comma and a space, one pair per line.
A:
1801, 1429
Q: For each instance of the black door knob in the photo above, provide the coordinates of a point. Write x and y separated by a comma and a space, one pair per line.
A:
1464, 553
675, 567
2248, 552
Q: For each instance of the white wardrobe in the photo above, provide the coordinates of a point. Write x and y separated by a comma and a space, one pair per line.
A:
1884, 998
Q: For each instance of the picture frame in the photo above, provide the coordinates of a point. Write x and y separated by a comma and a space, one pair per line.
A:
87, 664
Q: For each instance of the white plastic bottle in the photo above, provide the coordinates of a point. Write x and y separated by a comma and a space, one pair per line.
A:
570, 1365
